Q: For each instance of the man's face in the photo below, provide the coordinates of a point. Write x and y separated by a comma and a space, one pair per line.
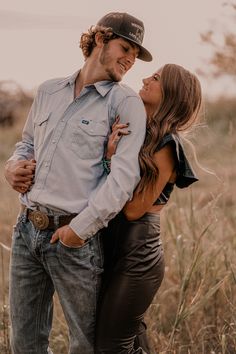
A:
117, 57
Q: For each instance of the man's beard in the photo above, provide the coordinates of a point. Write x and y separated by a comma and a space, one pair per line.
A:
105, 59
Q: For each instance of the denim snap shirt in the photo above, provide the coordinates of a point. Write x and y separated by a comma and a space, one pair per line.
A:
67, 135
185, 173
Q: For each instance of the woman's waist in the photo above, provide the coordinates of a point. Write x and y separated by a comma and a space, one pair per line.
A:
143, 230
152, 217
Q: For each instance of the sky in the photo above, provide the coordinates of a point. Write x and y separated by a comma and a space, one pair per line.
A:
40, 39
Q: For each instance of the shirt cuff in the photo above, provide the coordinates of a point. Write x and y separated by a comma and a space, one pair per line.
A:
85, 225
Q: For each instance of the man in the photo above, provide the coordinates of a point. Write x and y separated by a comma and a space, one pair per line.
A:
71, 199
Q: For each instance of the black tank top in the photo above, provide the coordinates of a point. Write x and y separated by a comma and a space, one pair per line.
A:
185, 173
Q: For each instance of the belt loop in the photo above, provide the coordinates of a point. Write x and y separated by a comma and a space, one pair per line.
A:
56, 221
24, 216
24, 213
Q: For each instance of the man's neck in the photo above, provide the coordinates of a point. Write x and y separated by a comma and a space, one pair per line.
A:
88, 75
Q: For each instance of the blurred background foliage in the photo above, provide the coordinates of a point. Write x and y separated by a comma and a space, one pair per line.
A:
194, 311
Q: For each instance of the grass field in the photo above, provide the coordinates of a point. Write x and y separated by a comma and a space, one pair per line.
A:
195, 309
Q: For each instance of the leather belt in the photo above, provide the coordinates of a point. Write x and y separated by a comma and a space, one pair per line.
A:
43, 221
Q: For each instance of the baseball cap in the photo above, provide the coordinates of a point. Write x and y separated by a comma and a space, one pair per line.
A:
128, 27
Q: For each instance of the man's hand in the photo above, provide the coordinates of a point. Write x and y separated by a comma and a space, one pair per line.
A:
20, 174
68, 237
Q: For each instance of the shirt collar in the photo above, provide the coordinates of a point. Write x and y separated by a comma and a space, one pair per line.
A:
69, 80
72, 78
103, 87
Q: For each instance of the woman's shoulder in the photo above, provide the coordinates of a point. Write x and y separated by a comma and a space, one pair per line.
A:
185, 172
168, 138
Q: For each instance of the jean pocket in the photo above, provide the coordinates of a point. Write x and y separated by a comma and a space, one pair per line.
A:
16, 237
71, 247
97, 251
17, 226
74, 255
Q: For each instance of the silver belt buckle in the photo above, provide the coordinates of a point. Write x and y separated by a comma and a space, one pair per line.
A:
39, 219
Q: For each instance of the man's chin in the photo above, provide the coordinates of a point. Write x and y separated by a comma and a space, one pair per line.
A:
116, 77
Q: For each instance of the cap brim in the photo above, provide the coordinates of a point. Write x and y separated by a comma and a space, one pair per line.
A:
144, 54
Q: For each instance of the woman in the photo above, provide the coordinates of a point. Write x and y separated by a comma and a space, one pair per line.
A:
134, 264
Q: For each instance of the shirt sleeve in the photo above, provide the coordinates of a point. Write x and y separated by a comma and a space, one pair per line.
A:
185, 173
25, 148
125, 174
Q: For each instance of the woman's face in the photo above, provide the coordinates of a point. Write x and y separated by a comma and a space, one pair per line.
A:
151, 91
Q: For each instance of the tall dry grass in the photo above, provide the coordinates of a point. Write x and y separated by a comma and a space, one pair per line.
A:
194, 311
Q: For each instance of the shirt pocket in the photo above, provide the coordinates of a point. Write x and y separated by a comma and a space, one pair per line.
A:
40, 126
88, 138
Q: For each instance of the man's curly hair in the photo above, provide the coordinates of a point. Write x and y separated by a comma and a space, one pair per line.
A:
87, 40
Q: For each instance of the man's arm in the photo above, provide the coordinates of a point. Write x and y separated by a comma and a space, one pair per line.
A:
124, 177
141, 203
19, 169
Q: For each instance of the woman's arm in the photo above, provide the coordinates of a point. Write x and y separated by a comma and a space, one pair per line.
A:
165, 160
118, 130
143, 202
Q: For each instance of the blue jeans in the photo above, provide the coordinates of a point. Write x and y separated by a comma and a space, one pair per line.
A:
37, 269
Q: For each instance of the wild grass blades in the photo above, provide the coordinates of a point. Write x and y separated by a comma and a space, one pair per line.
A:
182, 311
194, 311
2, 274
200, 270
4, 324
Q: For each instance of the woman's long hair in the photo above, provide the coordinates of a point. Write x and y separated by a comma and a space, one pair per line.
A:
177, 111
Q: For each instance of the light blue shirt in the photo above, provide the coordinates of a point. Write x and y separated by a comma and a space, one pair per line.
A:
67, 137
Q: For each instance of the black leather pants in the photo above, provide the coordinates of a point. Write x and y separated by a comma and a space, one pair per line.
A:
134, 269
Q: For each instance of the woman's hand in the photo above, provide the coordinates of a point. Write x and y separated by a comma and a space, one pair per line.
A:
118, 130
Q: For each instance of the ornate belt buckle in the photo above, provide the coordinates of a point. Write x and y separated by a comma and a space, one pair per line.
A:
40, 220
